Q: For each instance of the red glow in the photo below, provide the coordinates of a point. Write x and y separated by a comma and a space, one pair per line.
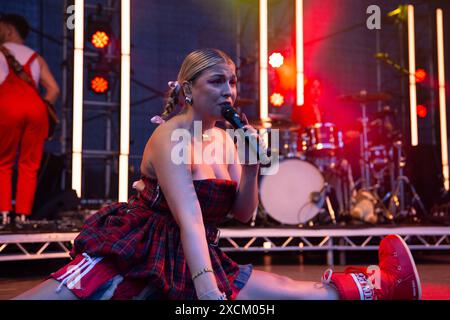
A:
277, 99
99, 84
422, 111
420, 75
287, 75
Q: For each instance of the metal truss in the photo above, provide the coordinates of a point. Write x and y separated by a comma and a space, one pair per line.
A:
35, 246
330, 241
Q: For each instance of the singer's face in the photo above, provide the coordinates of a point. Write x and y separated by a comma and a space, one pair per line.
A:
213, 88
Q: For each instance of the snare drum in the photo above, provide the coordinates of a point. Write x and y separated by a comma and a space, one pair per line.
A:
292, 195
322, 139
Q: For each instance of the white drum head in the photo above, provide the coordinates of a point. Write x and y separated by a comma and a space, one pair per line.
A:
286, 195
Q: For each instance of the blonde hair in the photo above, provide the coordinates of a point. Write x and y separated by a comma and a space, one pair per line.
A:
191, 68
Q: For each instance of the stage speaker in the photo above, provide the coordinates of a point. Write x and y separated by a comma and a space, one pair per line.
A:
50, 199
424, 170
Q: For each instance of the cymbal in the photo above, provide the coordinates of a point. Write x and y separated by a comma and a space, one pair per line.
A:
281, 125
244, 102
364, 96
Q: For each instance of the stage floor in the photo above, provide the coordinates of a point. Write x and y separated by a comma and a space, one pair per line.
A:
434, 271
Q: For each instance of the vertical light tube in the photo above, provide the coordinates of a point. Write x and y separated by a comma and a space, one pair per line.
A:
442, 104
77, 118
412, 77
124, 100
263, 61
299, 51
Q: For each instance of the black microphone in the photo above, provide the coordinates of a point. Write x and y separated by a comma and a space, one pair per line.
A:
232, 117
230, 114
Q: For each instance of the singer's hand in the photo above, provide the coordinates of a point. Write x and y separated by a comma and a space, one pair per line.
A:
139, 185
253, 133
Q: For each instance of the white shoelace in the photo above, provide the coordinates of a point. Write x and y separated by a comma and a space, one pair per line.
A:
74, 274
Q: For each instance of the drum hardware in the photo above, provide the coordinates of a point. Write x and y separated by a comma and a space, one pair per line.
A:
299, 192
376, 161
378, 157
380, 163
363, 97
321, 140
365, 145
289, 196
296, 195
322, 198
397, 196
262, 218
330, 209
285, 199
289, 143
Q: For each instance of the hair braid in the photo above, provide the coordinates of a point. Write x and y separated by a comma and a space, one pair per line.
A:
171, 102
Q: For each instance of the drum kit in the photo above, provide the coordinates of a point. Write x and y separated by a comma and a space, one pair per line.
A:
313, 183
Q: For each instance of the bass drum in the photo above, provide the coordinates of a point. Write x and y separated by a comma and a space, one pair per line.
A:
292, 195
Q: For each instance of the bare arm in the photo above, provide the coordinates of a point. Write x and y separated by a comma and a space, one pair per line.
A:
247, 197
177, 185
48, 82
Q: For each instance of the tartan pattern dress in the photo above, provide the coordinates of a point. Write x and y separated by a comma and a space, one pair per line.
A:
142, 238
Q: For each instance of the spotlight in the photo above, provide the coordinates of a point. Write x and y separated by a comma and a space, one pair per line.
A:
99, 84
422, 111
277, 99
99, 31
421, 74
276, 60
100, 39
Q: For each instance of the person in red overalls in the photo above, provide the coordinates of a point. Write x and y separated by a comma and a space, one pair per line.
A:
23, 117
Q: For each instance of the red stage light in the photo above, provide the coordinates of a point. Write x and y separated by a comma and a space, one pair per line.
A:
100, 39
422, 111
420, 75
99, 84
277, 99
276, 60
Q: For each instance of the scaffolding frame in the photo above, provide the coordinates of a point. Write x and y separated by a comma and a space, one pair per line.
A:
329, 241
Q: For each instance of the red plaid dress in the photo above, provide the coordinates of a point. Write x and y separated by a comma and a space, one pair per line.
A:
142, 241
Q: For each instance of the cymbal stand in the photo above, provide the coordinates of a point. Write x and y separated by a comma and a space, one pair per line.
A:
323, 198
365, 169
397, 198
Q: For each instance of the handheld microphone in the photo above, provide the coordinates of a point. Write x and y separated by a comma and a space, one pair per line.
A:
233, 118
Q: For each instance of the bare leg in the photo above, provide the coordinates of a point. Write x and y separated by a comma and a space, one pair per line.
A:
47, 291
270, 286
5, 217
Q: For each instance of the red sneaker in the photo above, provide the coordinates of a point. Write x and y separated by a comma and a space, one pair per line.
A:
398, 271
395, 278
